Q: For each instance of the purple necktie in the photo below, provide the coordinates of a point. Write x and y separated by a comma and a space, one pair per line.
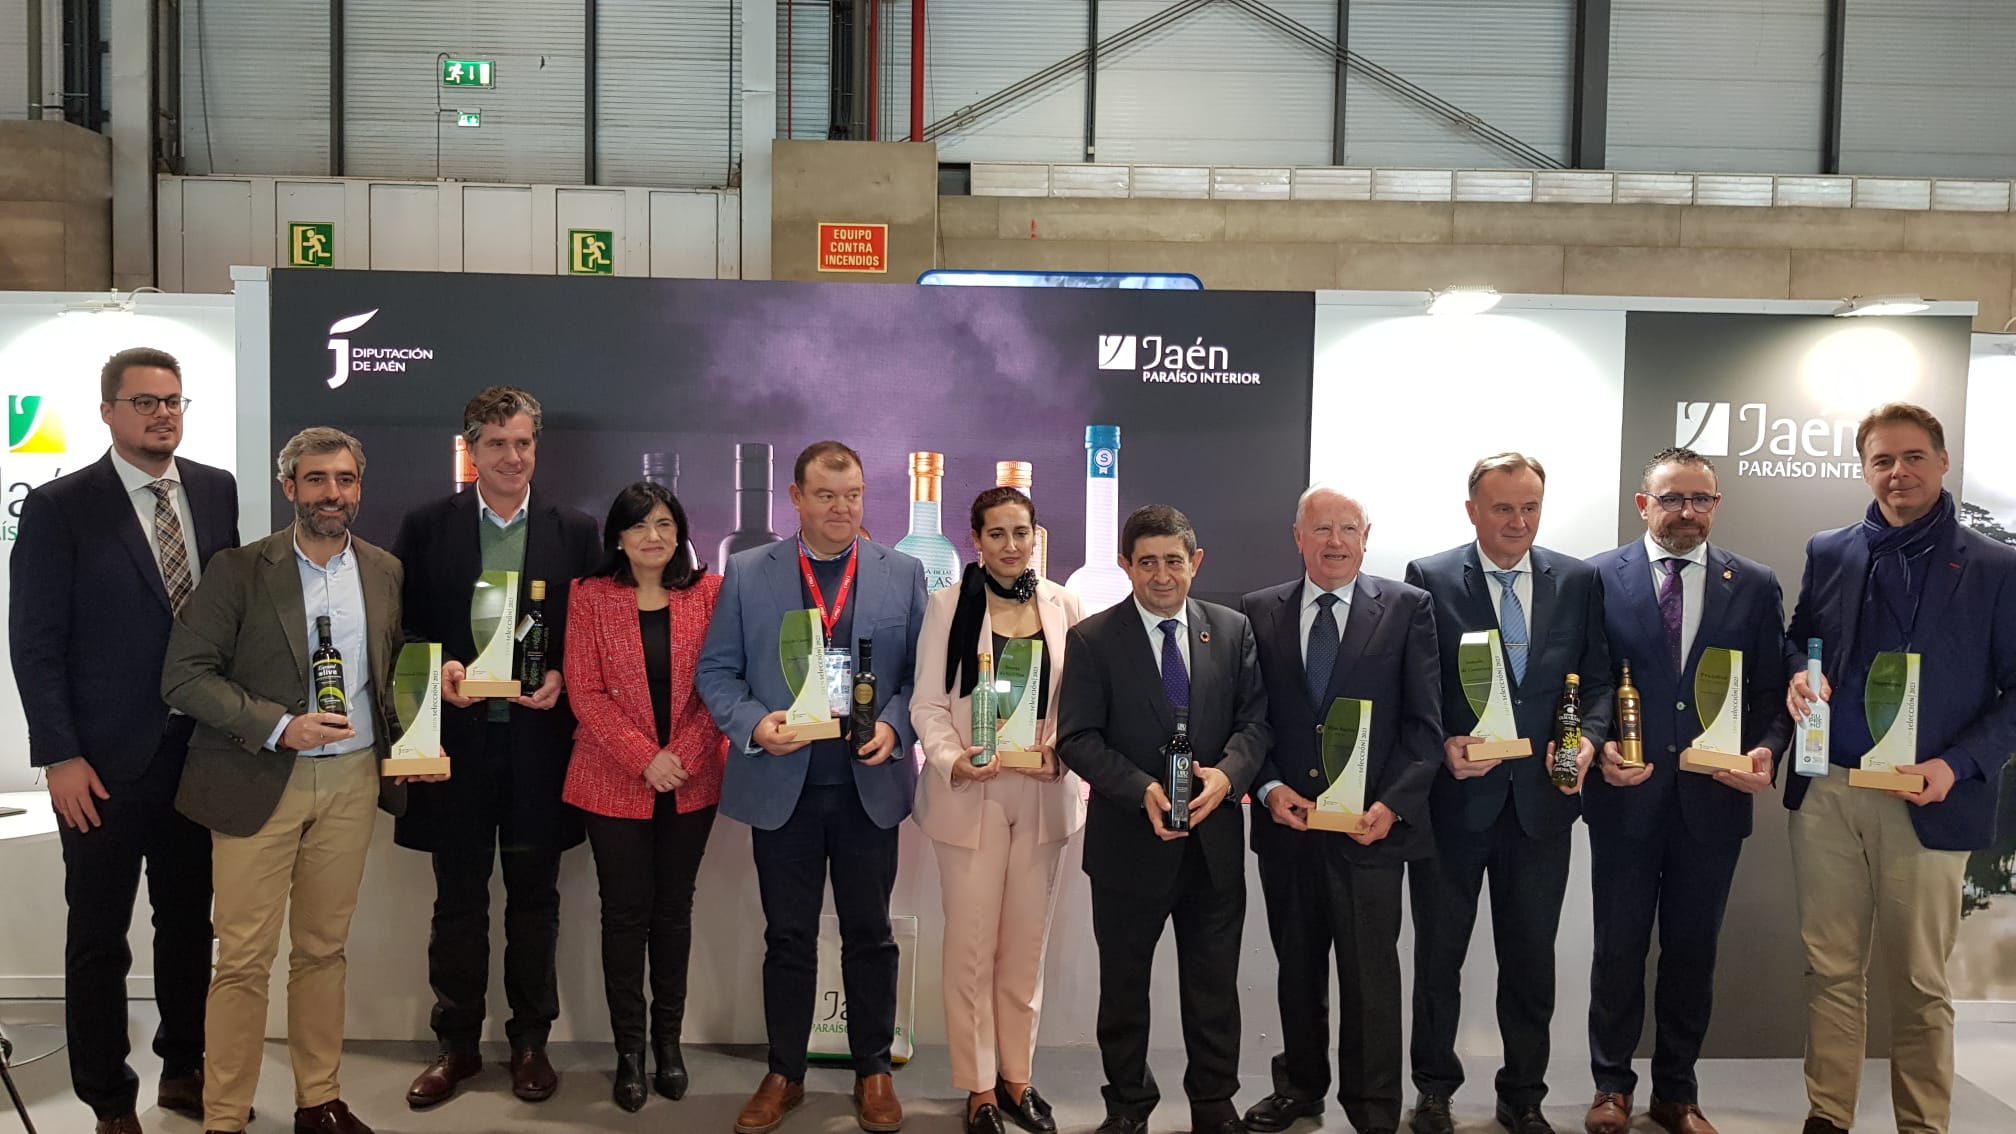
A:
1175, 678
1671, 605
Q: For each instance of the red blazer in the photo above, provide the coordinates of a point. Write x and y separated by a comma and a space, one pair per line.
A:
611, 697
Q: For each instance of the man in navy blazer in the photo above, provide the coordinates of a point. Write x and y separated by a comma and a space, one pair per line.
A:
104, 558
1910, 578
1338, 632
1511, 821
823, 803
1664, 842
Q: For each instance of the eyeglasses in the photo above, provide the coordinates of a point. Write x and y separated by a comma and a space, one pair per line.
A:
1700, 501
146, 404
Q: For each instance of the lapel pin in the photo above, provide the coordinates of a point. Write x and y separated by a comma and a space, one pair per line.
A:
1204, 635
1728, 574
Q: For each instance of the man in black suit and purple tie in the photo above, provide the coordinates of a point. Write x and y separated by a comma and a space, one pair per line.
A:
1136, 670
104, 559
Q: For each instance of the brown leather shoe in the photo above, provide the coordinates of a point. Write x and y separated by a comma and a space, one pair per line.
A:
876, 1106
775, 1097
532, 1076
437, 1084
331, 1117
128, 1123
182, 1094
1609, 1114
1680, 1118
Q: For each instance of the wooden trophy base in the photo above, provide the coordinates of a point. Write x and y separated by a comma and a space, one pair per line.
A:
1499, 749
1023, 758
1707, 761
414, 766
828, 729
1879, 780
472, 687
1343, 822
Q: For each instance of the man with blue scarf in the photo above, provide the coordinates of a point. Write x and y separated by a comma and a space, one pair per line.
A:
1873, 865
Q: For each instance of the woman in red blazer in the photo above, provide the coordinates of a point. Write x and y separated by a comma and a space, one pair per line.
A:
646, 768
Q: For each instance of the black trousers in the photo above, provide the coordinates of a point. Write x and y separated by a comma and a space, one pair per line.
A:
829, 830
458, 949
1529, 878
101, 878
1128, 926
645, 869
1684, 883
1317, 901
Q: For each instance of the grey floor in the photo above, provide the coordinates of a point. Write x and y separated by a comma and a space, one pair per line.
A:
1741, 1096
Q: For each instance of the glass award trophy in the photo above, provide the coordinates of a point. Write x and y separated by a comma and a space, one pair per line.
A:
1890, 701
1347, 744
1718, 702
416, 703
801, 651
1480, 665
1015, 691
493, 621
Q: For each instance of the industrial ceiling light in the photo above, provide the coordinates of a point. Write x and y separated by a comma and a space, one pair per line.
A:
112, 302
1881, 305
1463, 300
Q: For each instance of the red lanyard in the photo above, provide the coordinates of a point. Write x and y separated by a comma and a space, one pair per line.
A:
828, 618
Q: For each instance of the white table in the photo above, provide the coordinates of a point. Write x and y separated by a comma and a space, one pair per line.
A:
36, 825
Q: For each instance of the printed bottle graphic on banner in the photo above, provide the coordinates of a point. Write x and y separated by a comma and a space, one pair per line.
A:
661, 467
33, 425
752, 502
1019, 474
1101, 582
926, 541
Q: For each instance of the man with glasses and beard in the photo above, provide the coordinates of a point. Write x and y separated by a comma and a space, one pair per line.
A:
1664, 843
286, 791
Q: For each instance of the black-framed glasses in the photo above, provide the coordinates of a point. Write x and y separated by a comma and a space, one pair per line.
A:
1700, 501
146, 404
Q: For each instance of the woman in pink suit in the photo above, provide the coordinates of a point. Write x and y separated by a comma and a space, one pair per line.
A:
999, 832
646, 769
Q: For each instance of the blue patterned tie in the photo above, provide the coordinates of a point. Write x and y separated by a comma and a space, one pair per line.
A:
1175, 678
1322, 654
1512, 623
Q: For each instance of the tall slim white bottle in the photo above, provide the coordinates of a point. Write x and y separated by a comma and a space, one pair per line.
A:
1100, 582
1811, 749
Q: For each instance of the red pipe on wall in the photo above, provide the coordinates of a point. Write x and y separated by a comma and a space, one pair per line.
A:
916, 70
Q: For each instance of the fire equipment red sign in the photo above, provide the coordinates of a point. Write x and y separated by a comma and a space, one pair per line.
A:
853, 247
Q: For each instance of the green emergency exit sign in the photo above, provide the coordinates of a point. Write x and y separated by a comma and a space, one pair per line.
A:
468, 73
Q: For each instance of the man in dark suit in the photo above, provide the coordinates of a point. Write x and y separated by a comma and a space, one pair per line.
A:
1511, 821
510, 755
1910, 578
1336, 632
1663, 843
289, 792
104, 557
1136, 670
827, 804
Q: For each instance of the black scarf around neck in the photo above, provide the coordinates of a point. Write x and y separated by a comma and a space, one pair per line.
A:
964, 641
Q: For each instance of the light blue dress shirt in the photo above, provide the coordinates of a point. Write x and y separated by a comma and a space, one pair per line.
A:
337, 591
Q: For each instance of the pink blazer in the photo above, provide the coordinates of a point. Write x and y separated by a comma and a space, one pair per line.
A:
944, 725
611, 696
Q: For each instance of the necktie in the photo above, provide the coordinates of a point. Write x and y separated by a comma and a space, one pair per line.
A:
168, 547
1175, 678
1512, 623
1322, 654
1671, 606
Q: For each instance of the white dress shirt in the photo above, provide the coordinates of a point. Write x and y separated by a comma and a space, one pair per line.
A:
1693, 585
485, 512
1521, 586
136, 482
1154, 621
1341, 612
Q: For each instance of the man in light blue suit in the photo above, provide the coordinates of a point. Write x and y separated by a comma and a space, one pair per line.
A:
815, 804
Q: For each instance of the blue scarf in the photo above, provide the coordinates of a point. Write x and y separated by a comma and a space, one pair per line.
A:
1899, 563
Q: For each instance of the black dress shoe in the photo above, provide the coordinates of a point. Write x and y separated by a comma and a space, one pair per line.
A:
1029, 1112
630, 1091
985, 1120
1819, 1125
1431, 1115
1524, 1119
1233, 1125
671, 1079
1278, 1112
1121, 1124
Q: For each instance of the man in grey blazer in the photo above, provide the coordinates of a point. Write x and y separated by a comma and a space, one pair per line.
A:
806, 798
287, 793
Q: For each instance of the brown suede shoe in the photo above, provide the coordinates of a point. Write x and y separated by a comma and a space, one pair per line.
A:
331, 1117
775, 1097
1609, 1114
532, 1076
1680, 1118
437, 1084
128, 1123
182, 1094
875, 1104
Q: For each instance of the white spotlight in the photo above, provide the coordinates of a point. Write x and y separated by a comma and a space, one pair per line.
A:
1463, 300
1881, 305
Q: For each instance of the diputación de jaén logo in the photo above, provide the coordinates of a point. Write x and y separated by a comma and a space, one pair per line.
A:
33, 425
349, 360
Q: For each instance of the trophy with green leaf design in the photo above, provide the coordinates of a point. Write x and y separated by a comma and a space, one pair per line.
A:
416, 704
1480, 665
1347, 744
801, 651
493, 620
1890, 704
1016, 688
1718, 702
